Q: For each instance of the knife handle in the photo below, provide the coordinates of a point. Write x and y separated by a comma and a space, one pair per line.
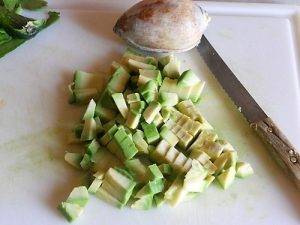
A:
281, 149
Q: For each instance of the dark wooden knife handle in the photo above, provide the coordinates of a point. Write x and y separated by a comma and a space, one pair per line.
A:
281, 149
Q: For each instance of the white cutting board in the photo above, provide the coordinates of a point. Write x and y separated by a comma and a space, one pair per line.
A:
259, 42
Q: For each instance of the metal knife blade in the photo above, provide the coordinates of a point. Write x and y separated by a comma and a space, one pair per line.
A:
233, 87
280, 147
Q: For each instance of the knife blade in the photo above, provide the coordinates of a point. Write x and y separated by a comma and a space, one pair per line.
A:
279, 146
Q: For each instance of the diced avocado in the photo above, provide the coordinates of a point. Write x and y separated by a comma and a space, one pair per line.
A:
184, 92
168, 135
103, 159
92, 147
150, 132
105, 100
129, 54
165, 113
151, 188
108, 125
78, 130
151, 111
232, 159
120, 195
169, 85
104, 195
150, 86
167, 98
172, 68
85, 162
179, 161
140, 143
138, 107
159, 199
95, 185
70, 211
90, 111
128, 148
154, 172
83, 80
78, 196
158, 120
206, 182
138, 169
120, 135
134, 97
118, 80
99, 175
165, 60
143, 203
166, 169
147, 75
195, 129
73, 159
227, 147
243, 170
89, 130
171, 155
120, 103
226, 178
105, 114
119, 119
160, 151
115, 65
82, 96
206, 135
200, 156
115, 148
150, 96
176, 193
99, 125
184, 138
187, 78
108, 135
187, 165
210, 167
194, 178
196, 91
133, 119
136, 65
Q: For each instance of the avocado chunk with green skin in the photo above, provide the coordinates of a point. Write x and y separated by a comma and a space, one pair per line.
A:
150, 132
92, 147
159, 199
109, 135
73, 159
187, 78
171, 69
158, 120
151, 188
143, 203
167, 99
194, 177
128, 148
138, 169
137, 107
70, 211
79, 196
120, 103
118, 80
95, 185
90, 111
147, 75
136, 65
151, 111
140, 143
165, 169
134, 97
105, 100
86, 162
83, 80
154, 172
133, 119
104, 195
226, 178
82, 96
243, 170
89, 130
159, 152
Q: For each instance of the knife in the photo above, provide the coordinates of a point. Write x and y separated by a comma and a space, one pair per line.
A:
277, 143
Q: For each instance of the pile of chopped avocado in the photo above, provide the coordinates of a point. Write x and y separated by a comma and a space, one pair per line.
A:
143, 137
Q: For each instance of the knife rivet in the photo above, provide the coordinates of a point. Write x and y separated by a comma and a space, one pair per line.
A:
269, 129
291, 152
293, 159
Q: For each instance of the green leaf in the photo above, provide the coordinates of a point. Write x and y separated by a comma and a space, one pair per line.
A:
14, 43
4, 37
10, 4
33, 4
